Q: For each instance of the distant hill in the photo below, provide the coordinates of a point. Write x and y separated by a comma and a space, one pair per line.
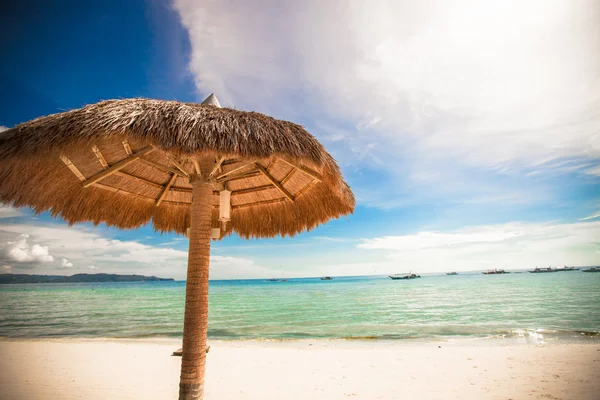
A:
25, 278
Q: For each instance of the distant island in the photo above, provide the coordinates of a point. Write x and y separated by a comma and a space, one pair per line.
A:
25, 278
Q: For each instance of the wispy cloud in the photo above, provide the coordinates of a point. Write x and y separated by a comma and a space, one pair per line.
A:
500, 85
512, 245
593, 216
593, 171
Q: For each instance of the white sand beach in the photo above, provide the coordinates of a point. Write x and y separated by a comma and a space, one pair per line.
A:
145, 369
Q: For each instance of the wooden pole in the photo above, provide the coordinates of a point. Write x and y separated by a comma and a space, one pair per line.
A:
195, 325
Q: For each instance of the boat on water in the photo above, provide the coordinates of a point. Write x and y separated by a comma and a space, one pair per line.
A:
592, 269
565, 268
404, 276
452, 273
495, 272
272, 280
326, 278
543, 270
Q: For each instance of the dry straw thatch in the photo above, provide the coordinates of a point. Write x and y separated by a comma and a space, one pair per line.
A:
282, 179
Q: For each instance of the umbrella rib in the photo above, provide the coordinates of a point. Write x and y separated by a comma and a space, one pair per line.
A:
274, 181
138, 196
251, 190
163, 167
259, 203
137, 178
166, 189
178, 166
118, 166
99, 156
216, 167
233, 193
196, 165
230, 161
288, 176
305, 188
125, 192
271, 163
234, 170
307, 171
72, 167
246, 175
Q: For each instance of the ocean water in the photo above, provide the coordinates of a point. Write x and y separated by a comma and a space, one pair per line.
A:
557, 305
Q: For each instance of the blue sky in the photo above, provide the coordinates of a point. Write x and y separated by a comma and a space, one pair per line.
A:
469, 132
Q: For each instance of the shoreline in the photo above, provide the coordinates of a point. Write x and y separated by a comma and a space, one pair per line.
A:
531, 337
69, 368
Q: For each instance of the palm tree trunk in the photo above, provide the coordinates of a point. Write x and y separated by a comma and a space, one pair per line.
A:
195, 325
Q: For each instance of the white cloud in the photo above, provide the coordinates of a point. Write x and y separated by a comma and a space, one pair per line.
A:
21, 251
29, 246
593, 171
3, 128
512, 245
503, 85
593, 216
6, 269
9, 212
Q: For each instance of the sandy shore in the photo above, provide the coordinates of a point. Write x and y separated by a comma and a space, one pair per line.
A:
140, 369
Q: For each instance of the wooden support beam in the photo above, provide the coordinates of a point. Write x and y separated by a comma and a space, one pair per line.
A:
305, 170
166, 190
274, 182
139, 179
118, 166
251, 190
305, 188
127, 147
72, 167
259, 203
230, 161
239, 177
273, 161
196, 166
137, 196
163, 167
288, 176
218, 178
233, 193
99, 156
178, 165
216, 167
125, 192
177, 203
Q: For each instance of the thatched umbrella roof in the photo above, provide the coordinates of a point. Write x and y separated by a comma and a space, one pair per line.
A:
128, 162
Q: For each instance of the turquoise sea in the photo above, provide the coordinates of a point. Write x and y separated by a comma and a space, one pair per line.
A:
557, 305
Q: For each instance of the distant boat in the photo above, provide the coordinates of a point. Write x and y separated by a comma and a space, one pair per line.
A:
495, 272
565, 268
326, 278
404, 276
543, 270
272, 280
284, 280
592, 269
452, 273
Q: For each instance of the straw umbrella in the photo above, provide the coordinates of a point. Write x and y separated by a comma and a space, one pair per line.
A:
195, 169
